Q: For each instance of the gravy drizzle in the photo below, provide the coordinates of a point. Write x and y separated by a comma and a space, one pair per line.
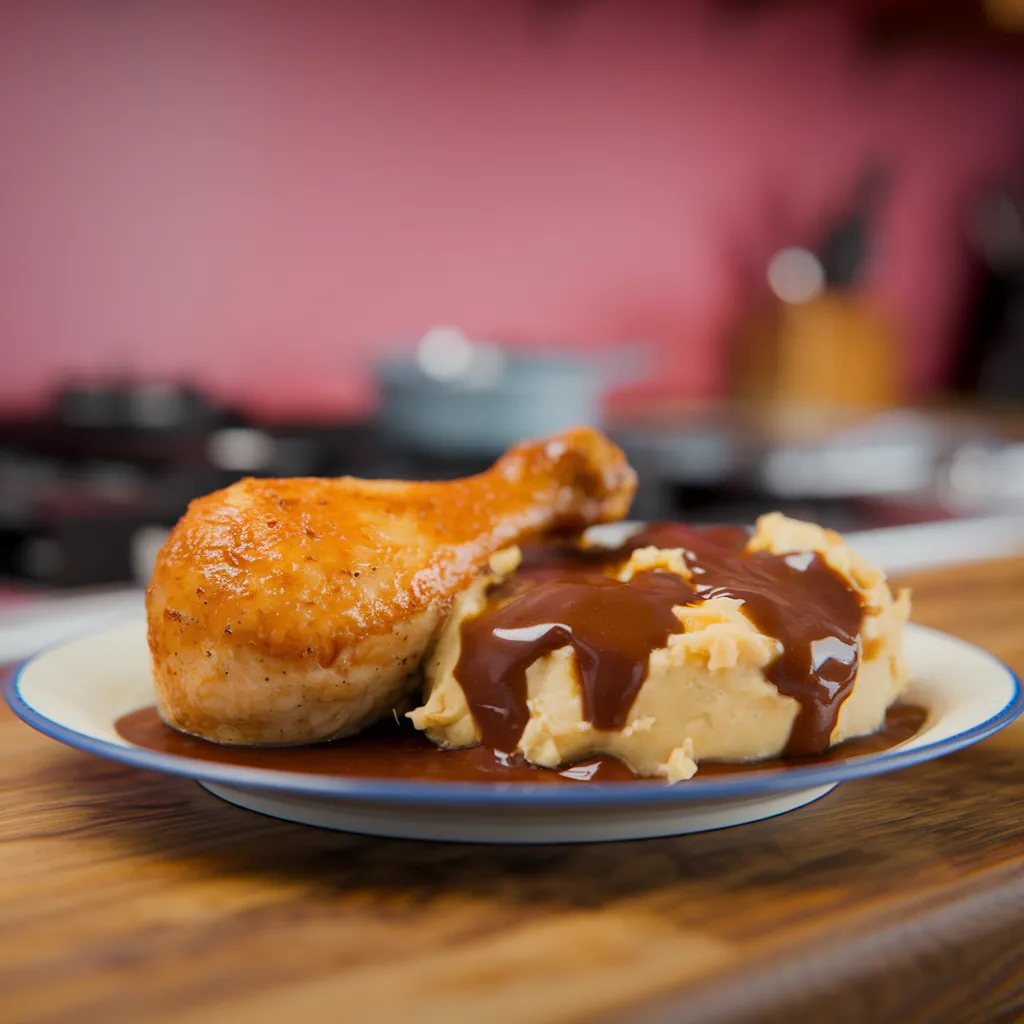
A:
564, 597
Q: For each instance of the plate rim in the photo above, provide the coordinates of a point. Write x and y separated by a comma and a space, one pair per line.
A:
522, 795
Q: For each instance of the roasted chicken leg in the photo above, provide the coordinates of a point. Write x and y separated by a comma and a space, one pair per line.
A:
291, 611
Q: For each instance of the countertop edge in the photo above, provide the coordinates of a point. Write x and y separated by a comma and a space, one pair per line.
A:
886, 970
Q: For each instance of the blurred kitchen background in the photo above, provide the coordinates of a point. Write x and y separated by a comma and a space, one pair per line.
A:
775, 247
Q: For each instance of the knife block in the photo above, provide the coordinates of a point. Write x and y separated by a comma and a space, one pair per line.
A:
835, 349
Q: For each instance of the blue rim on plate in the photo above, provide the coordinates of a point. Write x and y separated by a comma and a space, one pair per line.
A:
749, 784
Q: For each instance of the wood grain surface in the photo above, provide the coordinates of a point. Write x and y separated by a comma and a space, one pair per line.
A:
130, 896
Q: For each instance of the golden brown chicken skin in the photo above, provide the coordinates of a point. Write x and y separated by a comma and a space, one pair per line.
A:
291, 611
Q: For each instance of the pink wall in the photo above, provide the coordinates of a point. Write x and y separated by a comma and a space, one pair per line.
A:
262, 194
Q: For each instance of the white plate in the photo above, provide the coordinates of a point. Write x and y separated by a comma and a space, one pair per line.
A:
77, 691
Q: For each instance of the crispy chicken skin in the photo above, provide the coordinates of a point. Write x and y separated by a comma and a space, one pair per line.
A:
291, 611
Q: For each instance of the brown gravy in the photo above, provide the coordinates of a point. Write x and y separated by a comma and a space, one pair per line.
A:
612, 626
563, 597
392, 750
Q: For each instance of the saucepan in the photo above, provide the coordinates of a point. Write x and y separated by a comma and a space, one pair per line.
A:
458, 397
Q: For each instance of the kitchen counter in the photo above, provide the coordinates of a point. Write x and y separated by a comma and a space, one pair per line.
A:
129, 895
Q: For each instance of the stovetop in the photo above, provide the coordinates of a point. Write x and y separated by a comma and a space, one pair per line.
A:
82, 505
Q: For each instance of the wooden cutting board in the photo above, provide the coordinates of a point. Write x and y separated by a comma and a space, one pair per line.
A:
131, 896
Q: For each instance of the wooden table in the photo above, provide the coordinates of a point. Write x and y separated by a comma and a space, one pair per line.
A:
127, 896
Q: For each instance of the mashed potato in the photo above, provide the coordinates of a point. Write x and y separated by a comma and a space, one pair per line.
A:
706, 695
